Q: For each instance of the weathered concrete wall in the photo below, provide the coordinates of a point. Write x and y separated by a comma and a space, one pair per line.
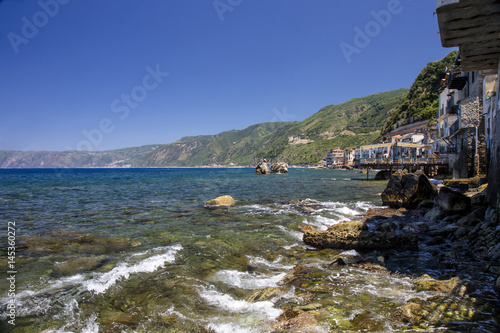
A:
463, 162
492, 196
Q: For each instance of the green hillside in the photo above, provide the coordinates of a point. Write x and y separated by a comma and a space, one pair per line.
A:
348, 124
422, 101
353, 123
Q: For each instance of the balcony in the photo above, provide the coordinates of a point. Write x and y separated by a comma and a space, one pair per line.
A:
473, 25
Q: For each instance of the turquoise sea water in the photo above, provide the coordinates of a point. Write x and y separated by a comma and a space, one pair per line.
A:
135, 250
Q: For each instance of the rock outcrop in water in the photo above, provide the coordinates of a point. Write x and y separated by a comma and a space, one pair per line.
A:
355, 235
262, 168
222, 201
408, 190
279, 167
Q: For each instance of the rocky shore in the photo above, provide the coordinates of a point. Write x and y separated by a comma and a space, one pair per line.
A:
457, 236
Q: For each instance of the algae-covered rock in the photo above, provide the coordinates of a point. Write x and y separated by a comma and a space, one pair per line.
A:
222, 201
295, 320
410, 313
367, 322
452, 286
267, 294
355, 235
75, 266
432, 311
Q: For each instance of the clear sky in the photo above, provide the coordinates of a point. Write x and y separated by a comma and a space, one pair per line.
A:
98, 75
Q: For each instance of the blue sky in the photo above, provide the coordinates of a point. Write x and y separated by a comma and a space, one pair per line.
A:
98, 75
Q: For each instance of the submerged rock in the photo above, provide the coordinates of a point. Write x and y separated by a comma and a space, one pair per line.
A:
295, 320
408, 190
223, 201
368, 322
267, 294
453, 286
75, 266
432, 311
356, 236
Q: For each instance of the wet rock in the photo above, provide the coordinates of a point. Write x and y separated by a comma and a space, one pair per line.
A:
423, 208
113, 320
389, 226
462, 181
438, 240
279, 167
371, 267
452, 286
452, 202
380, 214
478, 195
262, 168
408, 190
435, 214
337, 263
416, 228
367, 322
410, 313
432, 311
296, 275
222, 201
355, 235
66, 242
383, 175
310, 307
174, 323
267, 294
295, 320
304, 298
497, 283
494, 252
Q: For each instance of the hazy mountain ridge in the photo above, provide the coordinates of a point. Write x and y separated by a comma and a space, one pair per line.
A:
363, 116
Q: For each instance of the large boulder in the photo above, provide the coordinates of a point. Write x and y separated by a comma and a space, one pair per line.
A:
262, 168
223, 201
355, 235
279, 167
408, 190
383, 175
452, 202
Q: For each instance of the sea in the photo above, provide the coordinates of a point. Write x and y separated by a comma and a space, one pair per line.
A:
136, 250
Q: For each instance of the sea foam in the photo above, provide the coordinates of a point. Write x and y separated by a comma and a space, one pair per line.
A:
102, 282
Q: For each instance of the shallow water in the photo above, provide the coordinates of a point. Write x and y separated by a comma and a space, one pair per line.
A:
134, 250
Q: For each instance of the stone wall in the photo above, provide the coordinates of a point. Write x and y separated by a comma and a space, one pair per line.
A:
470, 111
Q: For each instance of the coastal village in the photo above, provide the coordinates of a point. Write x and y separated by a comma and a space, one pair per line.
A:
464, 140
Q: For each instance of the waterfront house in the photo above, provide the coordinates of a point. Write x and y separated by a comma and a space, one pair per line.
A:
474, 27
